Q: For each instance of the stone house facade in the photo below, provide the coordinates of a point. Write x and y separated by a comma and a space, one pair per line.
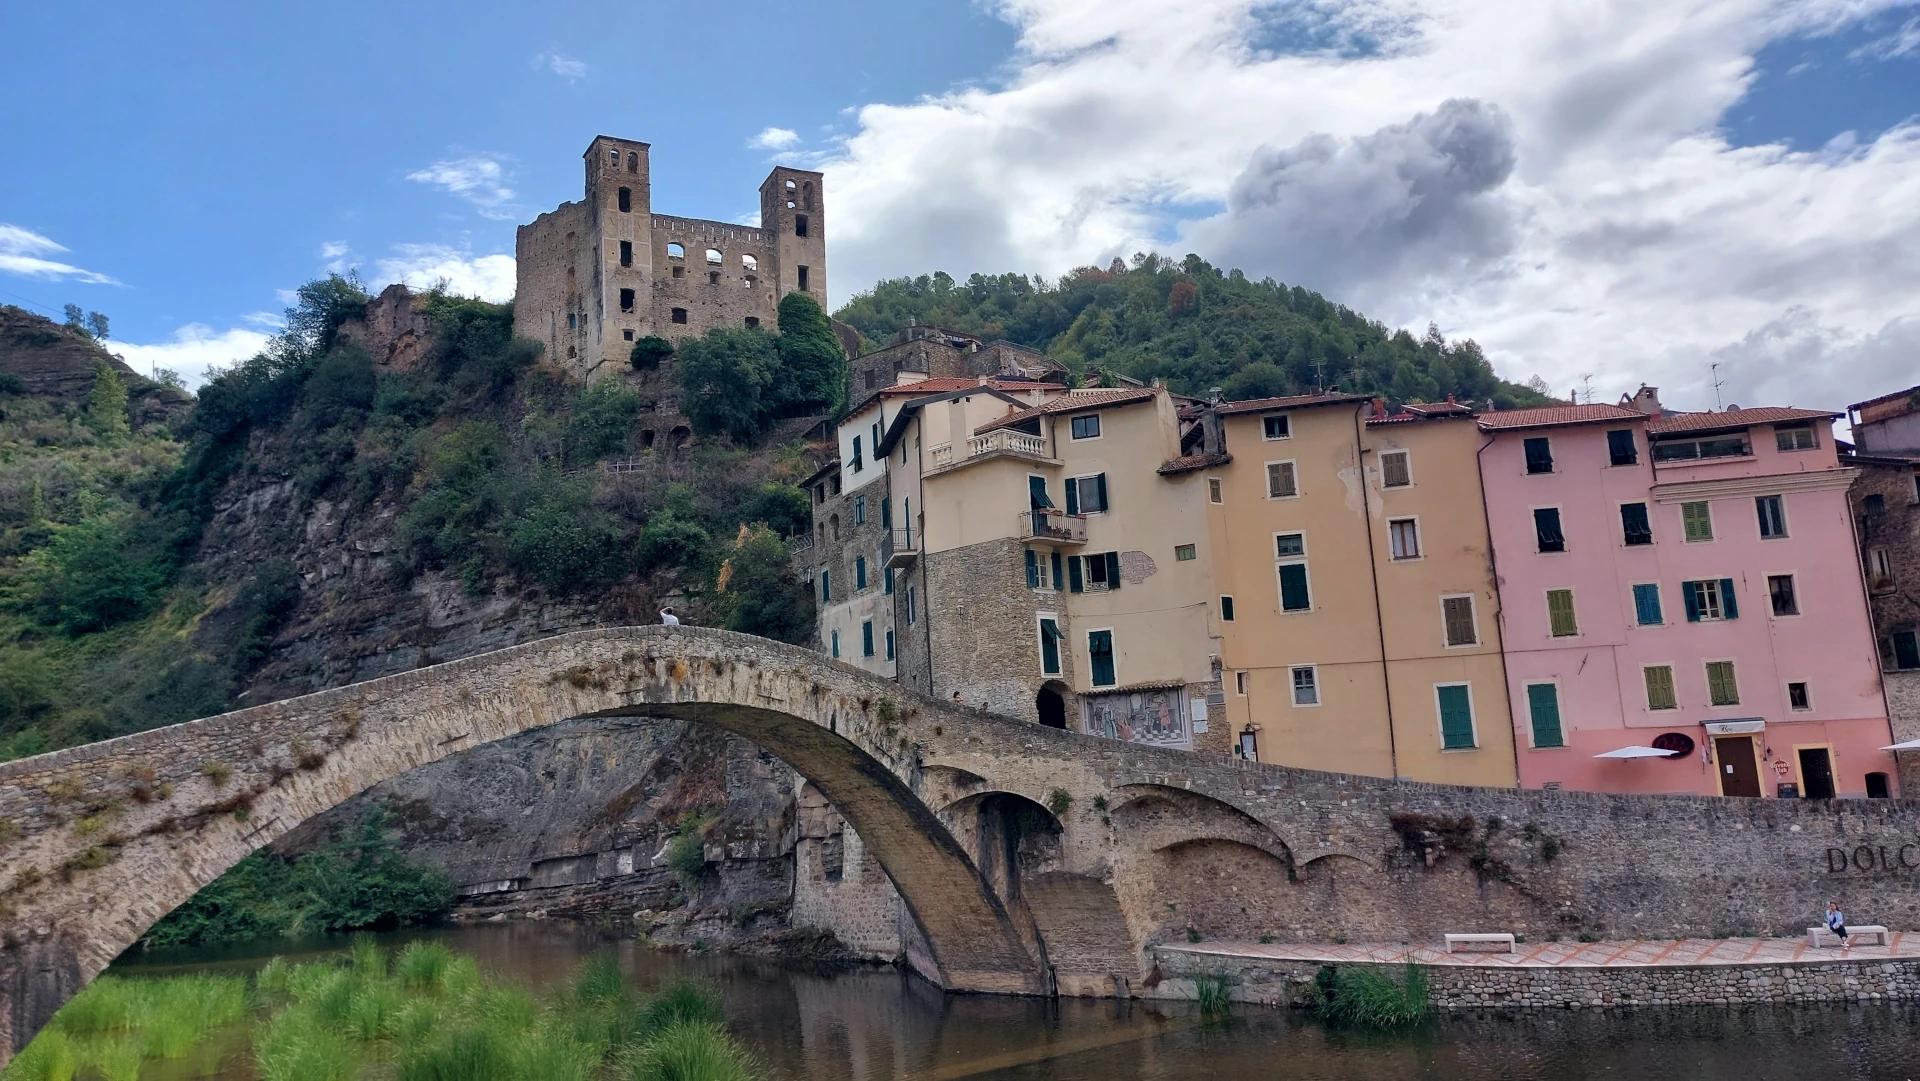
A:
1886, 504
938, 353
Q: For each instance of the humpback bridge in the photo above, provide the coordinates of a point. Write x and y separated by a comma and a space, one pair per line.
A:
1017, 859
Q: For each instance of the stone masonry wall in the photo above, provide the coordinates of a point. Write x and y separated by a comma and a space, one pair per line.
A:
1896, 528
976, 597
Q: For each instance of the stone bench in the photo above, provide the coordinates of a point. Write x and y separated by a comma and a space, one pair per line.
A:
1502, 943
1820, 936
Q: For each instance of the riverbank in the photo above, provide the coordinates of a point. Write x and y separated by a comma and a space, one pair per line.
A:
1567, 975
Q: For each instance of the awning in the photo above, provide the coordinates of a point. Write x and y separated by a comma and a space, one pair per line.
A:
1635, 752
1745, 726
1905, 745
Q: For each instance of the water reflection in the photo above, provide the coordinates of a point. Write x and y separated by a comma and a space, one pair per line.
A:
880, 1025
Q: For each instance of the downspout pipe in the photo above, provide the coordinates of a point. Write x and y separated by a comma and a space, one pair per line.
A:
1500, 605
1373, 571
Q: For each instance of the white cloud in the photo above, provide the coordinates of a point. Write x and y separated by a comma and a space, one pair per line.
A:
1901, 42
479, 179
24, 252
566, 67
423, 266
272, 322
335, 256
1578, 210
194, 351
775, 139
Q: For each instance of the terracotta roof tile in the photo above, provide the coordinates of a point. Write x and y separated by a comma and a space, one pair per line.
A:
1669, 423
1293, 401
1071, 402
1187, 463
1549, 416
946, 385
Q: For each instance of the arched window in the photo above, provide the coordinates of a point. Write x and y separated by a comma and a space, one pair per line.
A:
834, 524
633, 162
713, 257
790, 185
613, 156
681, 435
748, 262
676, 250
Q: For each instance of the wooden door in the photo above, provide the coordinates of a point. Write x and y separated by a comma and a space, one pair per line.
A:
1816, 773
1739, 773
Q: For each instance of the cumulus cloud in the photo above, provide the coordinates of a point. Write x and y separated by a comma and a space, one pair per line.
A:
424, 266
24, 252
564, 66
1550, 179
194, 351
774, 139
478, 179
1372, 215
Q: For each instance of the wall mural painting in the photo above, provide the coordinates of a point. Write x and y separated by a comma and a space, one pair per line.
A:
1156, 717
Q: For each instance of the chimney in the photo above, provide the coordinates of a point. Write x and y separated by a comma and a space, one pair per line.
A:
1213, 433
1379, 406
1646, 400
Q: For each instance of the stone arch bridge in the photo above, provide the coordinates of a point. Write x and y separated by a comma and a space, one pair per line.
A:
1004, 856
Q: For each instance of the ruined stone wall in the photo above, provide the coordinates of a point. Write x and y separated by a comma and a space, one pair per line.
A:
395, 331
739, 290
799, 263
553, 267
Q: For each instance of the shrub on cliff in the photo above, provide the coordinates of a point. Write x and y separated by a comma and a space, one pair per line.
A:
726, 381
813, 365
671, 541
93, 574
560, 540
649, 352
757, 591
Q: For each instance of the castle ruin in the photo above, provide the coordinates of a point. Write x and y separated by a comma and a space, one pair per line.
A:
598, 274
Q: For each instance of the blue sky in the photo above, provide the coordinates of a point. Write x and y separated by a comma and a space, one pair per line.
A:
1628, 188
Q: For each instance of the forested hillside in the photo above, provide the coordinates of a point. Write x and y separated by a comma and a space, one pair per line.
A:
1194, 326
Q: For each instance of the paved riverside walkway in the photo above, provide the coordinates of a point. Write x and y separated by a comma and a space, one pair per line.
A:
1619, 953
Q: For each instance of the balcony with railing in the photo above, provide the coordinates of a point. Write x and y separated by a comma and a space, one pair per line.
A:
988, 445
901, 547
1053, 526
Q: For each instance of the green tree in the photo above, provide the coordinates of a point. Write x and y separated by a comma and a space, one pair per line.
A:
107, 404
76, 317
813, 365
602, 416
726, 381
1258, 380
758, 592
784, 508
320, 307
97, 325
562, 541
649, 353
94, 574
671, 540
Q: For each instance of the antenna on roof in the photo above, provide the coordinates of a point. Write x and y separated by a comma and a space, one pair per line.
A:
1713, 373
1586, 388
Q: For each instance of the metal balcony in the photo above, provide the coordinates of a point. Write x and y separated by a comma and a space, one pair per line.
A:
902, 547
1053, 526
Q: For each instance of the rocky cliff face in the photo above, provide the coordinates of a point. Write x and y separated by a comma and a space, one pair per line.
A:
58, 362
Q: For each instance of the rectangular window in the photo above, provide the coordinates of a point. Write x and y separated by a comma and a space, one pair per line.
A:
1404, 535
1306, 685
1102, 572
1396, 469
859, 572
886, 581
1708, 599
1087, 495
1560, 619
1659, 679
1213, 490
874, 437
1455, 701
1635, 528
801, 278
1240, 683
799, 225
1281, 481
1543, 708
1772, 511
886, 512
1797, 696
1100, 658
1781, 592
1290, 550
860, 510
857, 464
1795, 437
1879, 570
1900, 650
889, 645
1087, 427
1226, 609
678, 315
1183, 552
626, 253
1646, 604
1033, 568
912, 606
1539, 455
826, 585
1722, 689
836, 645
626, 300
1696, 521
1456, 618
1049, 646
1725, 446
1546, 530
1620, 447
866, 638
1276, 426
624, 196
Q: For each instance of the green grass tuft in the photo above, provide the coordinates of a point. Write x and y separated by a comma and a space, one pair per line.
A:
1369, 998
691, 1052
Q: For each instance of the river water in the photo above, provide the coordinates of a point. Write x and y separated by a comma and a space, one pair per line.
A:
877, 1024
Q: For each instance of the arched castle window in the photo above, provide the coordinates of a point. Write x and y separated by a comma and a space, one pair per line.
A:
633, 162
799, 223
790, 186
834, 523
676, 250
626, 200
713, 257
613, 156
748, 262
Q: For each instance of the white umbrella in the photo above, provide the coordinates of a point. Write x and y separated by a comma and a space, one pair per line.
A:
1907, 745
1636, 752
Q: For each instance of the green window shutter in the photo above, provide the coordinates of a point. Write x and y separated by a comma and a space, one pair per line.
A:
1722, 687
1100, 656
1660, 688
886, 512
1057, 576
1033, 569
1293, 588
866, 639
1543, 704
1113, 570
1561, 622
1456, 717
1073, 496
1049, 647
1696, 521
1728, 606
1100, 486
1076, 580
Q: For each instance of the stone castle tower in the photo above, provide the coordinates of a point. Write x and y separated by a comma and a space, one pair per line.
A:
595, 275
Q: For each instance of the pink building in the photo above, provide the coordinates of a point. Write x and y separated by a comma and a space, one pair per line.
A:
1683, 581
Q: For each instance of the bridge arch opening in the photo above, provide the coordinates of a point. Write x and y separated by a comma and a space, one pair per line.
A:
288, 761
